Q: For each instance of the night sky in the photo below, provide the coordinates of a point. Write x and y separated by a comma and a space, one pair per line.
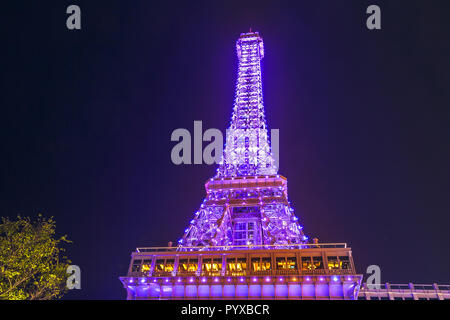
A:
364, 119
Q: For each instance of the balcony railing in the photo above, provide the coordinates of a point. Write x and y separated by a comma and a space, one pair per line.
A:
138, 274
417, 288
262, 273
235, 273
187, 273
162, 273
211, 273
287, 272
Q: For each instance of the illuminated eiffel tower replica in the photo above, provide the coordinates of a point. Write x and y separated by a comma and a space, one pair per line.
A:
245, 240
247, 201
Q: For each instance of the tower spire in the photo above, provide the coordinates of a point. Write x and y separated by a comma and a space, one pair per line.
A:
247, 148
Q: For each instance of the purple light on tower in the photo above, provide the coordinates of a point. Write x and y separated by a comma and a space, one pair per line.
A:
247, 157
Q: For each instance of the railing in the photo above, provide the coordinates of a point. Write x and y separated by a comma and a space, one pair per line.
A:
287, 272
339, 271
405, 287
236, 273
187, 273
243, 247
211, 273
137, 274
327, 271
313, 272
415, 287
162, 273
262, 273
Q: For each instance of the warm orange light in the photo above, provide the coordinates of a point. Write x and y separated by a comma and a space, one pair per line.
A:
145, 267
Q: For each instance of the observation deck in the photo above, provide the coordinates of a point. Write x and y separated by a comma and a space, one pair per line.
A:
304, 271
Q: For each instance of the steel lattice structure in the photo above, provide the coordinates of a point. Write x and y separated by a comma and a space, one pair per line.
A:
247, 201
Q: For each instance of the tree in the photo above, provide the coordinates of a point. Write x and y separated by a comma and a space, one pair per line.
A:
32, 265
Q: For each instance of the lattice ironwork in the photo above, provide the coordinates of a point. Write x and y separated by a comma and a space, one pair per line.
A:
246, 202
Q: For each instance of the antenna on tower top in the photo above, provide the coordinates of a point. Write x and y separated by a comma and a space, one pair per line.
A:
250, 29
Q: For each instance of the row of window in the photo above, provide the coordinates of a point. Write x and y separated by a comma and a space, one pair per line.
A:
236, 266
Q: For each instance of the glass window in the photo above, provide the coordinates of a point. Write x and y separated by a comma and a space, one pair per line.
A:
244, 233
306, 263
344, 262
193, 265
235, 266
261, 264
159, 266
241, 264
280, 263
217, 264
240, 226
283, 263
188, 265
231, 264
206, 264
265, 264
183, 265
169, 265
146, 265
317, 263
136, 265
291, 263
212, 265
333, 263
256, 266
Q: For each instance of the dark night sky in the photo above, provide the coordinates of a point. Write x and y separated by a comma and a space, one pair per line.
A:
364, 118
